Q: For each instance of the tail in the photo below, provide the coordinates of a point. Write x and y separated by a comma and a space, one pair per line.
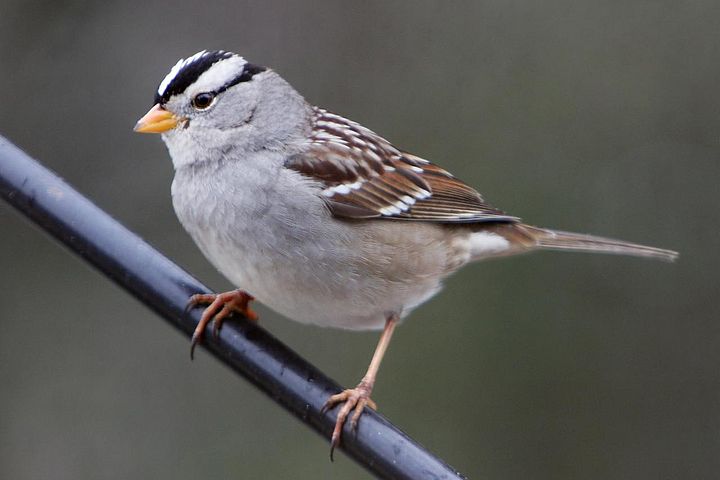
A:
557, 240
521, 238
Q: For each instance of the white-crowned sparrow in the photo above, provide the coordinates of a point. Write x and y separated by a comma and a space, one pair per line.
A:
318, 217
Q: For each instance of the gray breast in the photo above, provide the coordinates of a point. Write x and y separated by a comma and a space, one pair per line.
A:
268, 231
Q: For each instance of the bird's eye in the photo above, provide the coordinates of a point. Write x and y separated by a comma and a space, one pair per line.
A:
203, 100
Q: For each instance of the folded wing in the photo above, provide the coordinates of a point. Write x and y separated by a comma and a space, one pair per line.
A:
365, 176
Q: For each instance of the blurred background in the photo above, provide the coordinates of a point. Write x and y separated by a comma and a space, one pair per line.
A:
599, 117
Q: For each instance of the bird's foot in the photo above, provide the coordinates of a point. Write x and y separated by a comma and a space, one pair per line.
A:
219, 307
353, 400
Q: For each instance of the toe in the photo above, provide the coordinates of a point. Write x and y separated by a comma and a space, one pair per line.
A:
357, 412
339, 423
250, 314
334, 400
201, 298
218, 320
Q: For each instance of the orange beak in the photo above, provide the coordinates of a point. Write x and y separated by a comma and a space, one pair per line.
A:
157, 120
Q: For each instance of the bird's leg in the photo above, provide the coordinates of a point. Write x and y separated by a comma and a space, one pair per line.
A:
356, 399
220, 306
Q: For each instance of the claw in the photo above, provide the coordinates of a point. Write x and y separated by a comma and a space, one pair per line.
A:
226, 303
354, 400
193, 343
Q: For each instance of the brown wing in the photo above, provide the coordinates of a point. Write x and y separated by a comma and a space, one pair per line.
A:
364, 176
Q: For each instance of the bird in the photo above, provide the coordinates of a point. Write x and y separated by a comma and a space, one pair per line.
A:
318, 217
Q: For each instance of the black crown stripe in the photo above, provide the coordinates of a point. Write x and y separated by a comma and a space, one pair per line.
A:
189, 73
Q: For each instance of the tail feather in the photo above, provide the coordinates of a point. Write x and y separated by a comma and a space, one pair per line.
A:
558, 240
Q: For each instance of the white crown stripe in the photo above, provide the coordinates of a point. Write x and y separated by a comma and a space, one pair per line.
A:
182, 63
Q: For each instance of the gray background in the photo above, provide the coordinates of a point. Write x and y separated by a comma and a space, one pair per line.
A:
599, 117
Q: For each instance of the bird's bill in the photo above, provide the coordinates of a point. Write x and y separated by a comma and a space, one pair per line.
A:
157, 120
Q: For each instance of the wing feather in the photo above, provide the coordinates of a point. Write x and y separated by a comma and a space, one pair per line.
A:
365, 176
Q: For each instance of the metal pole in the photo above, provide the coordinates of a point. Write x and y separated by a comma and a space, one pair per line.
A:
252, 352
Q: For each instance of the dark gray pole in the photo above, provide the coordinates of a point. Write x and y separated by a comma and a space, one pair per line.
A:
121, 255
